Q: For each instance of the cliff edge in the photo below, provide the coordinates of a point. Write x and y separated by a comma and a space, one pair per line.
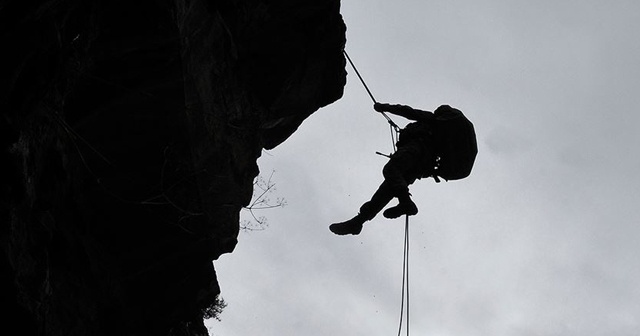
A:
130, 132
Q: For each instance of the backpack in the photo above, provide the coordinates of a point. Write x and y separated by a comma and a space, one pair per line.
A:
455, 144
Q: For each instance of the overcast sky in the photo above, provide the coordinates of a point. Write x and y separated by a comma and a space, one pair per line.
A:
541, 240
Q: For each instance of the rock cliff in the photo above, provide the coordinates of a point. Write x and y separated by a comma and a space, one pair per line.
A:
130, 132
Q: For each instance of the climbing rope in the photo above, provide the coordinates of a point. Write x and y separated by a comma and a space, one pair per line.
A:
393, 127
358, 73
395, 131
405, 279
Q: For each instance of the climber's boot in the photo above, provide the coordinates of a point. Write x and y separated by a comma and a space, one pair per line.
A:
404, 207
352, 226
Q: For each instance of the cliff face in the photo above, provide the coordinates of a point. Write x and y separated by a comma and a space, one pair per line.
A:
130, 132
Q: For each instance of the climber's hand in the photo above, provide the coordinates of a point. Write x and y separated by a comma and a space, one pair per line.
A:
380, 107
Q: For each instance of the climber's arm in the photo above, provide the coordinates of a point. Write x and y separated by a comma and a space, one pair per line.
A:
404, 111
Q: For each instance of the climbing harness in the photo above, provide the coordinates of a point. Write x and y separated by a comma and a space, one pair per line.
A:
395, 131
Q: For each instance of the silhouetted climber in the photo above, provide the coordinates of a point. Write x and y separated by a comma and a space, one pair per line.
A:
440, 143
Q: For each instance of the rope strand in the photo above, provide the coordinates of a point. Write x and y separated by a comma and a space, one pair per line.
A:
406, 230
358, 73
405, 279
369, 91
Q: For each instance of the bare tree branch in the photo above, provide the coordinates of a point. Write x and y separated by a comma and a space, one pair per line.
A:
260, 201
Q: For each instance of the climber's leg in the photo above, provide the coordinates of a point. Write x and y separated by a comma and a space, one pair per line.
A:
368, 211
400, 172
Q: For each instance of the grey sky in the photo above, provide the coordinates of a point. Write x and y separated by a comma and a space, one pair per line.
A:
542, 239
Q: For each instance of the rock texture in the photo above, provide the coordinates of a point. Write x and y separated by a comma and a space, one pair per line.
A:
130, 132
